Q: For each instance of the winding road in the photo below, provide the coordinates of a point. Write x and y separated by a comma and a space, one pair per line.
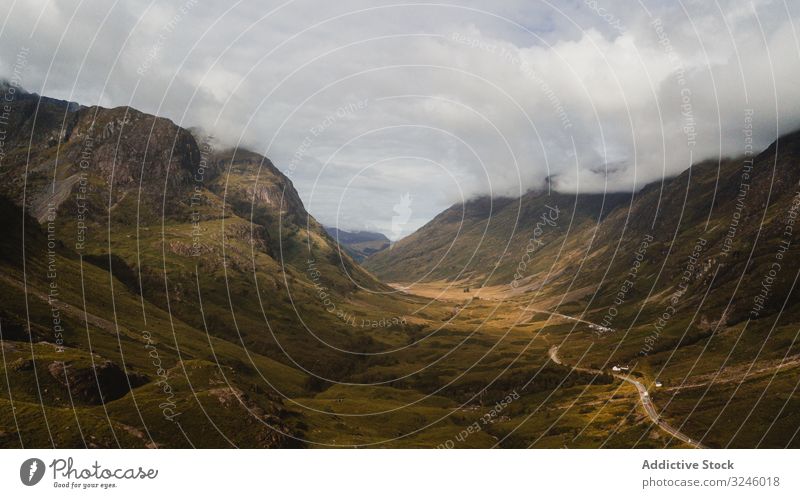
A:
644, 398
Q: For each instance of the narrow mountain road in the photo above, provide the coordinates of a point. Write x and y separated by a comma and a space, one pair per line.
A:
644, 398
553, 313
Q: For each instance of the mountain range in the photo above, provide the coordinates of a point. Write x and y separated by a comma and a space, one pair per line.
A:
359, 244
161, 291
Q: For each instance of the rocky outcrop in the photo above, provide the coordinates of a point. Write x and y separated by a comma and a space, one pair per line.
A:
103, 382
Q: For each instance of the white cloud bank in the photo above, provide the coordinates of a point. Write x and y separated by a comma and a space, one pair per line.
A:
363, 102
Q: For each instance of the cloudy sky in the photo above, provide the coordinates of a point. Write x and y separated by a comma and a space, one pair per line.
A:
363, 103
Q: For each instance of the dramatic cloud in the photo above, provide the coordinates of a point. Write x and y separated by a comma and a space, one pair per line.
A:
363, 102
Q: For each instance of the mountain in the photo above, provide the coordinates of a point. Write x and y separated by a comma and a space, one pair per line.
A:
477, 242
361, 244
193, 278
553, 242
690, 278
740, 211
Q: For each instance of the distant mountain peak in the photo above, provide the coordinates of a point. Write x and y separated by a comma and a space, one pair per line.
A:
360, 244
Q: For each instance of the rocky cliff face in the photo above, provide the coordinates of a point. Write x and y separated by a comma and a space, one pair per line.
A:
59, 155
253, 177
57, 150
